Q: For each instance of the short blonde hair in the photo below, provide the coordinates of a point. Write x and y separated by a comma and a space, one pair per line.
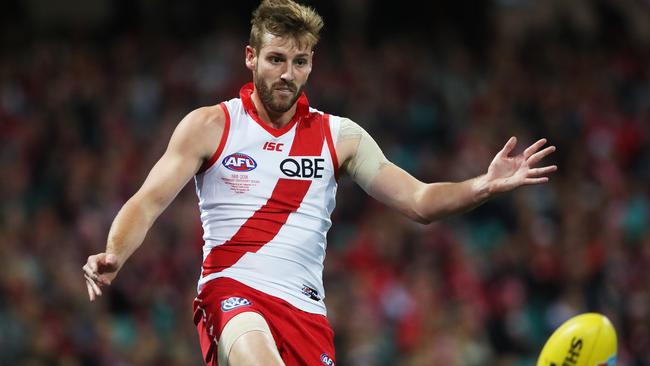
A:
285, 18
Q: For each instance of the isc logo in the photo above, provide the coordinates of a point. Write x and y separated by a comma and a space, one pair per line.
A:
239, 162
272, 146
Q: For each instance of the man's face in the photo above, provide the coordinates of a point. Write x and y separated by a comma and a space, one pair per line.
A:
280, 71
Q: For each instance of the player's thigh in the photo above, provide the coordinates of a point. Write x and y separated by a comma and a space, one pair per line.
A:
247, 340
253, 349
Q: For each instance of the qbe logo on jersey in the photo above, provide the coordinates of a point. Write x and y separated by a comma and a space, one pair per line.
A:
239, 162
233, 303
303, 167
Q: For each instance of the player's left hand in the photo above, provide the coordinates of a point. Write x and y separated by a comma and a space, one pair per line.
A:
99, 270
507, 172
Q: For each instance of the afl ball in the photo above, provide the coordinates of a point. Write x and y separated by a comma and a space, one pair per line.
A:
584, 340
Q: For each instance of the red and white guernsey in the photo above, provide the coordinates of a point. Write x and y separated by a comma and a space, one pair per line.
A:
266, 197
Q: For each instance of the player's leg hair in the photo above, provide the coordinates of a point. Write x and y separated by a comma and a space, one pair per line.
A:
246, 340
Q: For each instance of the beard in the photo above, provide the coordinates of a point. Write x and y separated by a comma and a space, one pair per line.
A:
273, 102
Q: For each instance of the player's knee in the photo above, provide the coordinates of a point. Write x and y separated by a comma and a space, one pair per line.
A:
247, 340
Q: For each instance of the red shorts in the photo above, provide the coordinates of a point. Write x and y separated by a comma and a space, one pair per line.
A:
302, 338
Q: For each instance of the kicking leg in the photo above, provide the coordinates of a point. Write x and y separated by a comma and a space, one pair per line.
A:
246, 340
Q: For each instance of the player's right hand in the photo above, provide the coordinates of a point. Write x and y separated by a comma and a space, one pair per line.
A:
99, 270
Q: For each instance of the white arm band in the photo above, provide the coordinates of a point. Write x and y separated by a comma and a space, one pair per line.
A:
367, 159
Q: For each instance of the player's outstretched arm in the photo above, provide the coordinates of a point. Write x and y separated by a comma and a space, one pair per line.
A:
365, 163
192, 143
505, 173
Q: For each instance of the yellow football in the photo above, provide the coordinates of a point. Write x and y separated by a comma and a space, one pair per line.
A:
584, 340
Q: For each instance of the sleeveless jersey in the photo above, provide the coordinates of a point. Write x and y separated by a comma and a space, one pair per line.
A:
266, 197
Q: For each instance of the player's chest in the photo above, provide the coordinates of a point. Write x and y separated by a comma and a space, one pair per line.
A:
255, 155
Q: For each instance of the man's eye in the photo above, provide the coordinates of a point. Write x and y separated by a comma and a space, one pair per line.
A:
276, 59
301, 62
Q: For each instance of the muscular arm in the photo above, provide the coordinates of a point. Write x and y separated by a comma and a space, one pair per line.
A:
193, 142
423, 202
363, 160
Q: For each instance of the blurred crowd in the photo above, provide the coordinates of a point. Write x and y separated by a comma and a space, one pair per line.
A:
84, 116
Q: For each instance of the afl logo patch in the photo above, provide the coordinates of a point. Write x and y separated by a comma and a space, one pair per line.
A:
239, 162
326, 360
233, 303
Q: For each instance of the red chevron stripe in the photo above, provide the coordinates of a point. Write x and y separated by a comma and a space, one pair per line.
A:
287, 196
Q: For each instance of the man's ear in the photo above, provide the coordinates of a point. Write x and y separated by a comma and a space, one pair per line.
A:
251, 58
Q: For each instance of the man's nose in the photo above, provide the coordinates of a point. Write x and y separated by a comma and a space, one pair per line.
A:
288, 75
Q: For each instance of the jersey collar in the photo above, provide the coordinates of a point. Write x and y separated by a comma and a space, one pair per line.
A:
302, 110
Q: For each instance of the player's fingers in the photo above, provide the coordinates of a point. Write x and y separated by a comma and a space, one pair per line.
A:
91, 293
536, 180
89, 273
536, 157
103, 280
541, 171
94, 286
533, 148
93, 290
90, 280
507, 148
92, 263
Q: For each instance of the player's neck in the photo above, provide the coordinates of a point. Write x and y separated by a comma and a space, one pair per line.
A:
270, 118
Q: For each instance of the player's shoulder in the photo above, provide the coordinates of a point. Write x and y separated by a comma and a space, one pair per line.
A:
340, 123
199, 129
209, 117
350, 129
315, 111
